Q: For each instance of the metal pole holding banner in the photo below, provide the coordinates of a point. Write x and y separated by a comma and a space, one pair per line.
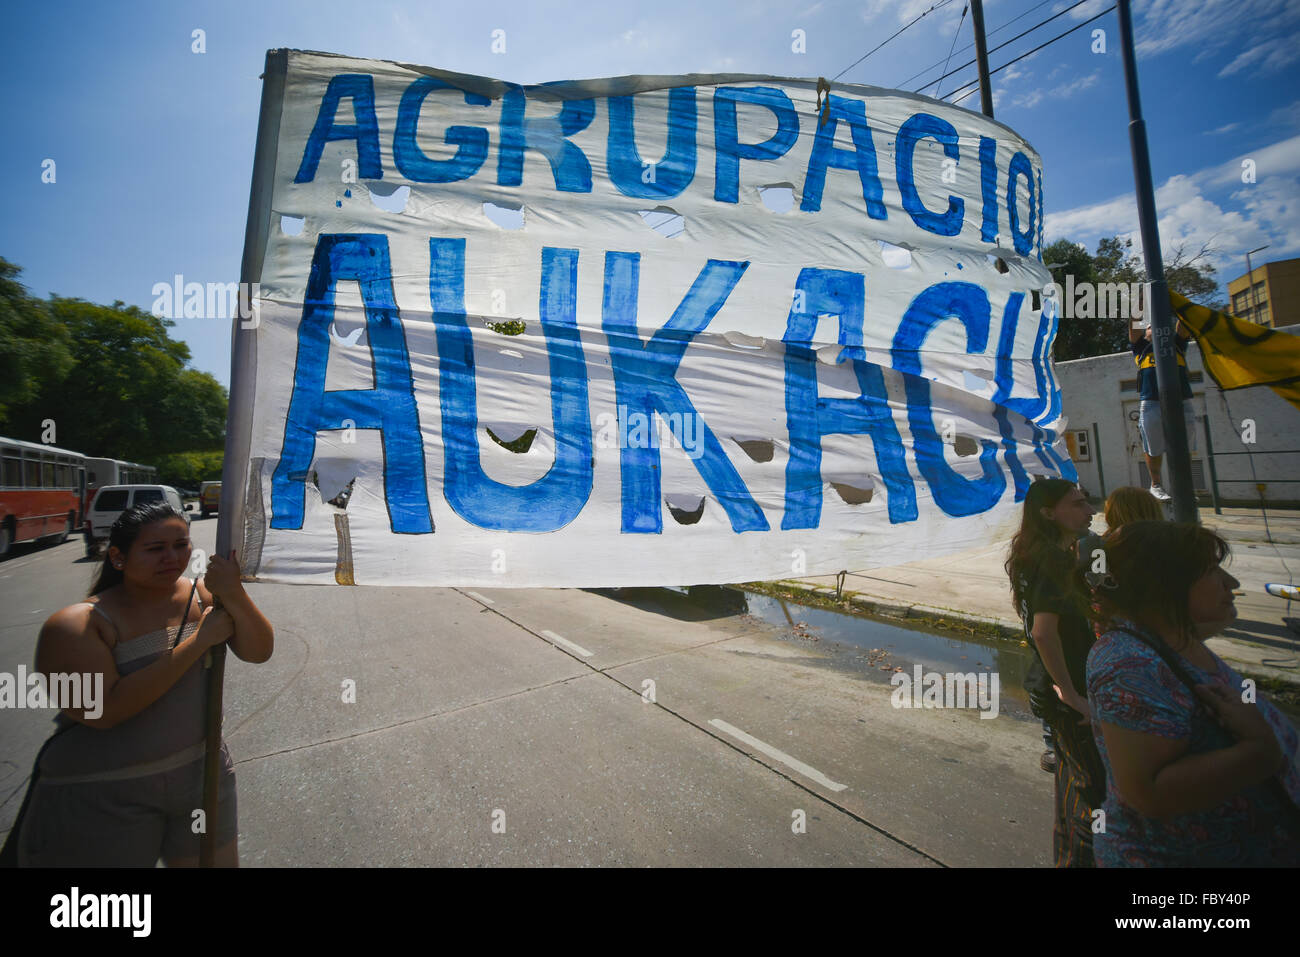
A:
243, 378
982, 56
1178, 460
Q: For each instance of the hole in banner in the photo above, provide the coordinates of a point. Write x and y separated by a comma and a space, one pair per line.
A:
895, 257
684, 516
742, 341
505, 215
965, 445
507, 327
664, 220
778, 197
851, 494
760, 450
292, 225
389, 197
520, 446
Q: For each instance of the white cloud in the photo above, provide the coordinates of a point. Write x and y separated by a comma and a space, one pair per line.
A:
1266, 57
1089, 9
872, 9
1276, 159
1285, 116
1227, 128
1249, 215
1207, 25
1061, 92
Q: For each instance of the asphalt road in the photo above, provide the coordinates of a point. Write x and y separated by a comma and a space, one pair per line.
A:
516, 727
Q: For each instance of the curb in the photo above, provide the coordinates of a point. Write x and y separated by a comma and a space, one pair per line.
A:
1004, 629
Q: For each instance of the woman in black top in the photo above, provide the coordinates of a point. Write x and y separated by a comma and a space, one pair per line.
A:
1054, 608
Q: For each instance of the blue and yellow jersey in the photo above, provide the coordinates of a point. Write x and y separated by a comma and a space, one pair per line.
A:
1145, 356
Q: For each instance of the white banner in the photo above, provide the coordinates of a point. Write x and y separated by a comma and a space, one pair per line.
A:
645, 330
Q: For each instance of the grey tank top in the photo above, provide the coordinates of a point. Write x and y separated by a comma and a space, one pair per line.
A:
167, 734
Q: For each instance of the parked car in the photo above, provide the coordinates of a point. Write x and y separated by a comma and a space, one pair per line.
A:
209, 497
112, 500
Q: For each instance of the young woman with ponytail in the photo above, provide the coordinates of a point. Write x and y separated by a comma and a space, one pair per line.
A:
1053, 604
118, 783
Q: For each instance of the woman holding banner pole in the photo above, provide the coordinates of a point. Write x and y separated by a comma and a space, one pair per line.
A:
119, 782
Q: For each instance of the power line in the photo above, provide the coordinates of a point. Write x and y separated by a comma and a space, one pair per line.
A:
955, 34
974, 84
993, 32
1007, 43
933, 7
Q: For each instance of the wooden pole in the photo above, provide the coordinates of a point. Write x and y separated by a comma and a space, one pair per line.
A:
243, 358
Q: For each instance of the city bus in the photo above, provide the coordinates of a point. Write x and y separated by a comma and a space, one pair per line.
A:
100, 472
42, 492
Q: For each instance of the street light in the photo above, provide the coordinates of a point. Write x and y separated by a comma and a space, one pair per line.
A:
1250, 281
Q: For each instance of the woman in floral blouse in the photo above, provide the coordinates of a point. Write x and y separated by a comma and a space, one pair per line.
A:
1203, 776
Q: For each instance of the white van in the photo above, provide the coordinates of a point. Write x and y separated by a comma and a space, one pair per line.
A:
112, 500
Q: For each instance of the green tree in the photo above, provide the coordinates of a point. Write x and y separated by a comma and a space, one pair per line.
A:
189, 469
1190, 275
127, 393
36, 349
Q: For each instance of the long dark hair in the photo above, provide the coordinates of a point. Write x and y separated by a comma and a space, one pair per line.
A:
125, 531
1151, 567
1038, 533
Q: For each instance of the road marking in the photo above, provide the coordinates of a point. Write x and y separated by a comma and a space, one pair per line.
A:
576, 649
477, 597
774, 754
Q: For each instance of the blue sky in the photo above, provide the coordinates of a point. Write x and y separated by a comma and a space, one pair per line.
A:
154, 143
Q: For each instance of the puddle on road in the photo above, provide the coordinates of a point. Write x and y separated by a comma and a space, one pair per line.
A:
871, 645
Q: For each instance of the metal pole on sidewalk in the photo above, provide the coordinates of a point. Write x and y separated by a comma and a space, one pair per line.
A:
1178, 461
982, 56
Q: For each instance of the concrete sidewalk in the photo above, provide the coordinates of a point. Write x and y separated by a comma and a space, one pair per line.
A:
971, 587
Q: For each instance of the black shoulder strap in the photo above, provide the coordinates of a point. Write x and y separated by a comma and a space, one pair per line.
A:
190, 602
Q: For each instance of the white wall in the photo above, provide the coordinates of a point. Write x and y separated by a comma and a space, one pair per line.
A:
1091, 393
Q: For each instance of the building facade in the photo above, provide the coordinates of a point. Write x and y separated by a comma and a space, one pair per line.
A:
1254, 433
1269, 295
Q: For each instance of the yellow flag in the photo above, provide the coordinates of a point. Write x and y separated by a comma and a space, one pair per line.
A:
1238, 353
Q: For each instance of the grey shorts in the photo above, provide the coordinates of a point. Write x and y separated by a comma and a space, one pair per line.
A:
126, 823
1152, 428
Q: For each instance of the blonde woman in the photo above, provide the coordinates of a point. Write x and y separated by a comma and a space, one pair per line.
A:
1131, 504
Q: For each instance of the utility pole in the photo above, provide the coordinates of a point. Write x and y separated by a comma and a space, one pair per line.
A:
982, 56
1178, 460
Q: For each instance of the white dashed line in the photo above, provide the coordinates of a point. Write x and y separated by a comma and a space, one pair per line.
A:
792, 763
565, 642
477, 597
